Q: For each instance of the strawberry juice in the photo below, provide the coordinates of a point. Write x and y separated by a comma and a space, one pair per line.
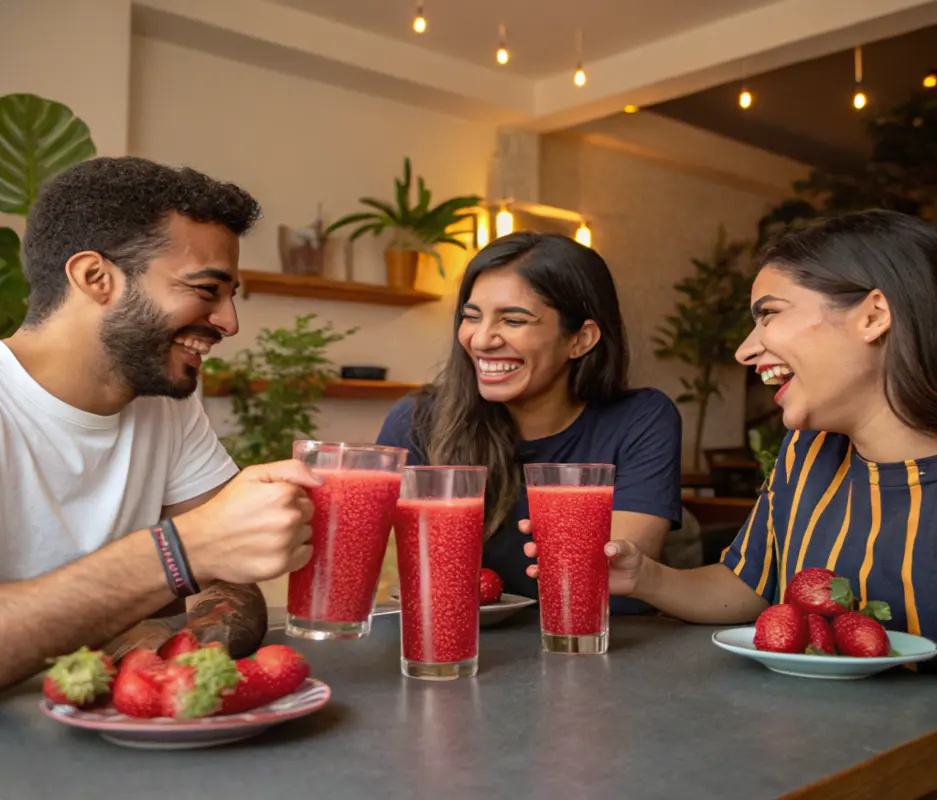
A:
571, 525
439, 557
333, 595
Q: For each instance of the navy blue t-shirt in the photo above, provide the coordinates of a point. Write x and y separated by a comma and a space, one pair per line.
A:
640, 434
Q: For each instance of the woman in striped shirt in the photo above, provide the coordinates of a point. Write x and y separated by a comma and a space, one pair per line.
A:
846, 327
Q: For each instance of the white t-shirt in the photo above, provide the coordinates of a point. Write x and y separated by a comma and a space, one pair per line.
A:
70, 481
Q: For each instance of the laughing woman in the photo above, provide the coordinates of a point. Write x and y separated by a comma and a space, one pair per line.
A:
538, 373
845, 327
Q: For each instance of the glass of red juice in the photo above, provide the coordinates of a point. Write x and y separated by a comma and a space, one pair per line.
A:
332, 597
571, 521
439, 528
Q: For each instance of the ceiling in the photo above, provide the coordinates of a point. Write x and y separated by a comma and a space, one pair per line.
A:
804, 111
541, 34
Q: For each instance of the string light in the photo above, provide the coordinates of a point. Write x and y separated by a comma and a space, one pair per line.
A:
579, 77
504, 222
930, 79
502, 56
419, 21
746, 99
630, 109
584, 235
859, 99
482, 231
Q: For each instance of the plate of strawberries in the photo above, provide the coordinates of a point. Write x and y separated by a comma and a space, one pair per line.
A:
818, 632
184, 696
494, 604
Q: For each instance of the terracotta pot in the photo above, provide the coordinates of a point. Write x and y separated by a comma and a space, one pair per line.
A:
401, 267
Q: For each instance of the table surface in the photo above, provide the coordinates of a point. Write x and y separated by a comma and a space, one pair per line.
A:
664, 715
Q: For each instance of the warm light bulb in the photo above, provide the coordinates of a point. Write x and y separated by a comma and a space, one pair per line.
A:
482, 233
504, 222
580, 77
745, 99
584, 235
859, 100
419, 23
930, 80
630, 109
503, 55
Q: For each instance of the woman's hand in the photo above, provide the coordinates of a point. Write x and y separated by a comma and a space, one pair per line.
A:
624, 558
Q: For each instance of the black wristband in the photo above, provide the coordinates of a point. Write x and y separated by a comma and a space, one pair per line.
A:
172, 554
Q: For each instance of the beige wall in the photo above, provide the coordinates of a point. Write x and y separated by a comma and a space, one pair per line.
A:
649, 219
295, 143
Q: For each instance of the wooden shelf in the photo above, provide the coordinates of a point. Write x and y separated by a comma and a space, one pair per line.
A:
334, 390
325, 289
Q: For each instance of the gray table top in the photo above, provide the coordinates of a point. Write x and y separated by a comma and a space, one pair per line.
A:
664, 715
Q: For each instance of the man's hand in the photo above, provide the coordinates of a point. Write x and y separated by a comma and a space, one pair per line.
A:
255, 529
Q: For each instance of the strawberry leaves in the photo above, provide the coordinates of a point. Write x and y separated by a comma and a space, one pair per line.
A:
841, 592
876, 609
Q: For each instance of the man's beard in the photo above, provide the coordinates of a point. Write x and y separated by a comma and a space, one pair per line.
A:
138, 339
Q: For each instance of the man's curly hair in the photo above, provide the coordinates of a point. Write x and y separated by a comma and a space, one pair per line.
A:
120, 208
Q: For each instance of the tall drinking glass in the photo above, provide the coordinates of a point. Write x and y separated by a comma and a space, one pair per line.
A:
332, 597
571, 521
439, 529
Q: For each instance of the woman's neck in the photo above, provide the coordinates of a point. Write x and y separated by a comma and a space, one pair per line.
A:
883, 438
546, 415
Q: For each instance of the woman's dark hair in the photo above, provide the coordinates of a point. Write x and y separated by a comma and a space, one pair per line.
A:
120, 208
453, 424
845, 258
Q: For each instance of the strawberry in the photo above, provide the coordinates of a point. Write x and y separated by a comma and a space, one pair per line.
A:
254, 689
820, 591
820, 636
79, 679
781, 629
194, 683
285, 668
491, 587
182, 642
140, 659
859, 634
138, 693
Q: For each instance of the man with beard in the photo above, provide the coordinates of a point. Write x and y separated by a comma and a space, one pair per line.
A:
116, 499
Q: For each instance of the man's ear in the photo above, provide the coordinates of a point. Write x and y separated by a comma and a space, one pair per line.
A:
93, 276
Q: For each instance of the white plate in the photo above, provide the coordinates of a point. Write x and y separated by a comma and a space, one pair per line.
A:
490, 614
741, 642
164, 733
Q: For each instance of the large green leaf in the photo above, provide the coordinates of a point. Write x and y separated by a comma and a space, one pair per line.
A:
13, 287
38, 138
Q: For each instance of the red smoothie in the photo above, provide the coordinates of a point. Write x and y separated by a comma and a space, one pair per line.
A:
354, 511
439, 557
571, 525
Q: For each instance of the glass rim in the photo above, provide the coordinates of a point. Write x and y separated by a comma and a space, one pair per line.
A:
563, 464
431, 468
371, 448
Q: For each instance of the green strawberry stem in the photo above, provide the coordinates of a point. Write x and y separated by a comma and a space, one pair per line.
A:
81, 676
214, 671
877, 609
841, 592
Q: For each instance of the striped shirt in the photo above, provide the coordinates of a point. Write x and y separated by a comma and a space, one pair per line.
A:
826, 506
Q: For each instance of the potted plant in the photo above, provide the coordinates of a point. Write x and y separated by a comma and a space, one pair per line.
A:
41, 138
274, 389
708, 326
416, 229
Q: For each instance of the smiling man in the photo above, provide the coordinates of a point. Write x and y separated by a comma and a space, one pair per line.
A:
109, 469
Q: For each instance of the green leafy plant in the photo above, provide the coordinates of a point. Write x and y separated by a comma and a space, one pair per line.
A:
901, 173
38, 139
274, 389
709, 323
416, 226
765, 442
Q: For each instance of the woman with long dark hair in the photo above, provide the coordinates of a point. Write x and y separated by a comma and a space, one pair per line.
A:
538, 373
846, 328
